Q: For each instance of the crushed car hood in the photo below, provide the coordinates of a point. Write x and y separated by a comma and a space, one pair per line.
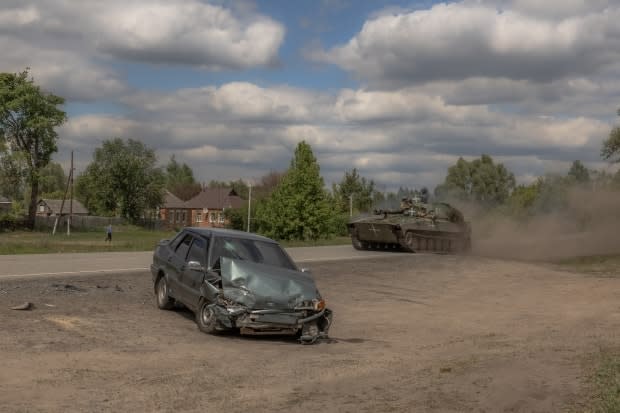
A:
259, 286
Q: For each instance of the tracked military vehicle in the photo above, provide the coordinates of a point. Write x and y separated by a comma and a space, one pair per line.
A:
416, 226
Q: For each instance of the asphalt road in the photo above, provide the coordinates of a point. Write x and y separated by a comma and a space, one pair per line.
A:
33, 265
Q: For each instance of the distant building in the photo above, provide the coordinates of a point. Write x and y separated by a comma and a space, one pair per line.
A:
172, 206
5, 205
51, 207
204, 210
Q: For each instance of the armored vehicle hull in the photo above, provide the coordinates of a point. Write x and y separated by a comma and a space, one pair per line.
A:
436, 227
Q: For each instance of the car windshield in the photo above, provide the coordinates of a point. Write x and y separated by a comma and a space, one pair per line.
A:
260, 252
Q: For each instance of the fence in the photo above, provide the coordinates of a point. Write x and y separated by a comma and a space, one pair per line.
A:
12, 224
78, 223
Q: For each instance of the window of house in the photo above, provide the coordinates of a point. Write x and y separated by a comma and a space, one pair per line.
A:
222, 218
184, 217
41, 208
198, 216
171, 215
178, 216
211, 217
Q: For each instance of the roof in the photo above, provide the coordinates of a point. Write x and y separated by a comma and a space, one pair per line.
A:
215, 198
228, 233
54, 205
171, 201
4, 200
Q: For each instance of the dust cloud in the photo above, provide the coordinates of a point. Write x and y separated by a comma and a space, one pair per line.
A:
589, 224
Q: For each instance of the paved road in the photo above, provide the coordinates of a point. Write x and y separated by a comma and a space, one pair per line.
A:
33, 265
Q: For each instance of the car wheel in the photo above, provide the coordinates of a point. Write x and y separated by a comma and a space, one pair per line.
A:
205, 318
164, 301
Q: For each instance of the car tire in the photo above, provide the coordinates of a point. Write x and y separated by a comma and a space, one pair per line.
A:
205, 318
164, 302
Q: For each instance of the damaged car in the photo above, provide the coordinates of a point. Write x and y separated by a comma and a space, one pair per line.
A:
235, 280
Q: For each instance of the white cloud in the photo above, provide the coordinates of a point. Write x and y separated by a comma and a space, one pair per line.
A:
155, 31
473, 39
61, 72
72, 47
512, 78
19, 16
244, 128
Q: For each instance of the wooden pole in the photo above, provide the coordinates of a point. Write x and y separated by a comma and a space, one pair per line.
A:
62, 204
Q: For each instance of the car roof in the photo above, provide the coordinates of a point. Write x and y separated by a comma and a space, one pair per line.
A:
221, 232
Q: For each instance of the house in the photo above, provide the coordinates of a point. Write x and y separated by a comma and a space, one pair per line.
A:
5, 205
204, 210
172, 210
51, 207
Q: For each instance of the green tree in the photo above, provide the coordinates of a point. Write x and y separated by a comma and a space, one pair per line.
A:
354, 186
480, 180
122, 179
522, 199
52, 179
239, 186
611, 146
28, 118
299, 207
13, 174
180, 180
552, 194
261, 191
579, 173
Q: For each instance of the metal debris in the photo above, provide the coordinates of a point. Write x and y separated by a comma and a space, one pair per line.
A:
67, 287
23, 307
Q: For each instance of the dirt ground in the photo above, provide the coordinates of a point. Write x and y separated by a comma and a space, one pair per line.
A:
411, 333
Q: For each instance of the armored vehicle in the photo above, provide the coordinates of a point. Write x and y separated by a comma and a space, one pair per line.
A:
415, 226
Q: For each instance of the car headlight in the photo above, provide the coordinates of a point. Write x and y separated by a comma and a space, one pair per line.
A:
318, 305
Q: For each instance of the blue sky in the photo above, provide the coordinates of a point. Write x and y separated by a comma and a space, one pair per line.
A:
396, 89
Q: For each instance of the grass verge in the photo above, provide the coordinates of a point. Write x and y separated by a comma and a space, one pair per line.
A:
126, 238
605, 384
599, 265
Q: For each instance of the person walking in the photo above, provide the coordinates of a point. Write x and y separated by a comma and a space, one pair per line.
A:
108, 232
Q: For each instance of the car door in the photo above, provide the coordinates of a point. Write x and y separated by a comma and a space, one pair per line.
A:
176, 265
191, 277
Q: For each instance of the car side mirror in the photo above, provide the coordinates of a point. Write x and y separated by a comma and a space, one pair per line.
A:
195, 266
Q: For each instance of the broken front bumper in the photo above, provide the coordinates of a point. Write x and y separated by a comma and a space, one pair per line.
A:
309, 325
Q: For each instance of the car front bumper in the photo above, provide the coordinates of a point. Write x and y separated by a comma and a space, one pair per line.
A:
310, 325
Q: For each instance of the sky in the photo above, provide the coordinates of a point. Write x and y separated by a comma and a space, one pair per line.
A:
397, 89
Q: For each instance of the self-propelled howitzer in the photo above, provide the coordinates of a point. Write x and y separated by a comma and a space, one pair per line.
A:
415, 227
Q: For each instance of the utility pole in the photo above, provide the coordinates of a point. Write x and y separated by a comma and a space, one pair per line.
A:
71, 198
62, 204
249, 204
